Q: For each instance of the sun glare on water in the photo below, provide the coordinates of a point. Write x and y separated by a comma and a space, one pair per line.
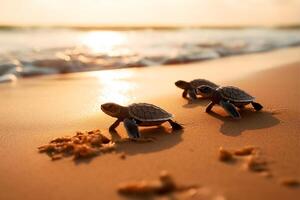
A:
103, 41
115, 86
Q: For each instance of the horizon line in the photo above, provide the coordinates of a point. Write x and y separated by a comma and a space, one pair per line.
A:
142, 27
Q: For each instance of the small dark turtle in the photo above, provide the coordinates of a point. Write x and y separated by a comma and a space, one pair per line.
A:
138, 114
229, 98
189, 88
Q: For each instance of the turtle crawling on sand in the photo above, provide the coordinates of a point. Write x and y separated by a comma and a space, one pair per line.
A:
229, 98
189, 88
138, 114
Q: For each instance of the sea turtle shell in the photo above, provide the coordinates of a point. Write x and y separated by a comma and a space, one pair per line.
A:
200, 82
235, 94
148, 112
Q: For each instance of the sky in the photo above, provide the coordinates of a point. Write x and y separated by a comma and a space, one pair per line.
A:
150, 12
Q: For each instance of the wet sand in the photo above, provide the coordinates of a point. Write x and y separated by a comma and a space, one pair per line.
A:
34, 111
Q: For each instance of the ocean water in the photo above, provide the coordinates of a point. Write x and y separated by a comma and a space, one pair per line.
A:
31, 52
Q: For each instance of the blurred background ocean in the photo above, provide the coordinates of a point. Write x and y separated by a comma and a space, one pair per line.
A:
36, 51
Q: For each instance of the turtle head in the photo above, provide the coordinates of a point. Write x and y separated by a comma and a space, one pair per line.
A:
205, 90
182, 84
111, 109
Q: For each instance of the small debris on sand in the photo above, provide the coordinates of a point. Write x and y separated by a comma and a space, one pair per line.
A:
106, 148
165, 185
192, 192
56, 157
123, 156
256, 163
84, 151
225, 155
219, 197
253, 160
266, 174
290, 182
82, 145
245, 151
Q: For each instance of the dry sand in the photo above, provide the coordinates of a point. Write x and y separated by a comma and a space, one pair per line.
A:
34, 111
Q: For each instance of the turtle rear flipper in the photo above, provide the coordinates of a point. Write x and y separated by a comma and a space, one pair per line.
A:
209, 107
175, 125
256, 106
230, 109
131, 128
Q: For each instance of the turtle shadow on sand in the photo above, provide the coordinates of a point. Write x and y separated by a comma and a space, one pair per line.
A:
251, 120
164, 138
200, 101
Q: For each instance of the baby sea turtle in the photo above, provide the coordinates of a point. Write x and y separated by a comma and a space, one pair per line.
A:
138, 114
189, 88
229, 98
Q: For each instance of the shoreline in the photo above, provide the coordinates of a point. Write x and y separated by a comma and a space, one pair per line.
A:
287, 55
79, 53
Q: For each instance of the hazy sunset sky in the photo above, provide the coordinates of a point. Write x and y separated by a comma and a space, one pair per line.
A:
149, 12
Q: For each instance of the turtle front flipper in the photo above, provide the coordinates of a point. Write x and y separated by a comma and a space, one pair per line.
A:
131, 128
192, 93
256, 106
184, 94
114, 125
230, 109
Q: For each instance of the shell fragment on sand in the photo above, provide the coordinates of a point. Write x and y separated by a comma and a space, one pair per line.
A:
290, 182
225, 155
245, 151
254, 161
123, 156
164, 185
256, 164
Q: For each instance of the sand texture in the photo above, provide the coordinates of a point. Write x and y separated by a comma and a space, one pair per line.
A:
35, 110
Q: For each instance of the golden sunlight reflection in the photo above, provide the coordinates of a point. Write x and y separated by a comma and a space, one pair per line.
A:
103, 41
115, 86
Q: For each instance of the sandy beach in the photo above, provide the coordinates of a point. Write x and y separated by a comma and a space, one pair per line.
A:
36, 110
